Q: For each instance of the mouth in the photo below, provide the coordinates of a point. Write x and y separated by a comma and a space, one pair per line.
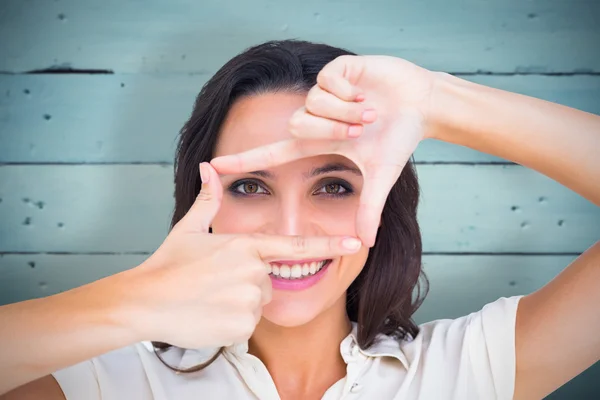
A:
296, 270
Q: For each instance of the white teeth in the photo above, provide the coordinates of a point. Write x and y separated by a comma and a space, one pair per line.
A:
269, 268
305, 269
284, 271
296, 271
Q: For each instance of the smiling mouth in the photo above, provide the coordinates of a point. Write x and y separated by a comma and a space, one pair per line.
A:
297, 271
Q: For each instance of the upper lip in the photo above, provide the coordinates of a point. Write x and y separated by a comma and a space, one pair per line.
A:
292, 262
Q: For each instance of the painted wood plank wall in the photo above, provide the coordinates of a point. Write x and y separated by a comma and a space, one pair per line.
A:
504, 36
93, 93
105, 118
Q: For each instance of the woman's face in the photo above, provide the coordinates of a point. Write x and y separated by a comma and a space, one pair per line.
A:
312, 196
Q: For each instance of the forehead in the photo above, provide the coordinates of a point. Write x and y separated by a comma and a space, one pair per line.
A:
256, 121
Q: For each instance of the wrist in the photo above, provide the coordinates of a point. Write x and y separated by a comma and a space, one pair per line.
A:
450, 102
114, 306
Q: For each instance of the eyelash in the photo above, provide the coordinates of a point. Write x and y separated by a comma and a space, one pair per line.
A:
233, 189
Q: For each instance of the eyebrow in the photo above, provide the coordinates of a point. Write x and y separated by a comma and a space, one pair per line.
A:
325, 169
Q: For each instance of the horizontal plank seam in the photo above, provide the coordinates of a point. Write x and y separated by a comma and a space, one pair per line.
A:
165, 164
144, 253
74, 71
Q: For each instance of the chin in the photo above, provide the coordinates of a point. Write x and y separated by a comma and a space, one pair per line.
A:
289, 313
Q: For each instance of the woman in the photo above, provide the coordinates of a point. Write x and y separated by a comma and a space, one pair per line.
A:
279, 302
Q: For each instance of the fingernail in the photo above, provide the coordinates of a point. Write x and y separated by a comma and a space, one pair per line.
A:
369, 115
204, 174
360, 97
354, 131
351, 243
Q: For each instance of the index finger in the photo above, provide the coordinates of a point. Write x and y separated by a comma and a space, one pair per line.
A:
271, 155
304, 248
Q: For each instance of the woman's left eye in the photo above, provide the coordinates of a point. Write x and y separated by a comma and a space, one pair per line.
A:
334, 189
248, 188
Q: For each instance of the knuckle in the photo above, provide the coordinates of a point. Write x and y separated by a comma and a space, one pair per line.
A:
244, 298
339, 129
253, 297
247, 324
295, 122
267, 296
204, 196
299, 244
354, 113
323, 79
315, 100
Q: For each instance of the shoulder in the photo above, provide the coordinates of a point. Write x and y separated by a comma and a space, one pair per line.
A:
493, 321
475, 352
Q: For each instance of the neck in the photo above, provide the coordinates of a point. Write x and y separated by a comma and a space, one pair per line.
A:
304, 359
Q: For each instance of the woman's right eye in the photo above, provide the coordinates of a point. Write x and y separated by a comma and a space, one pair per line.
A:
248, 188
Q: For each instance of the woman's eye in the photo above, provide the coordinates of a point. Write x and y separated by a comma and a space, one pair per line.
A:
249, 188
333, 189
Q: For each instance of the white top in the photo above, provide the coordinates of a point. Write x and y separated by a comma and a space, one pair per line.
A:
472, 357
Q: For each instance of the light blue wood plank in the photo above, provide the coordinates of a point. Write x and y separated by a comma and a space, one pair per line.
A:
24, 277
460, 285
93, 118
188, 35
126, 208
135, 118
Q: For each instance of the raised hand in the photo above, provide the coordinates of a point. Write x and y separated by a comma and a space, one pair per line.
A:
207, 290
374, 110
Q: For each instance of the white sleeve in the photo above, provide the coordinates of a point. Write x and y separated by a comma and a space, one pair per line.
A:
472, 357
490, 343
79, 381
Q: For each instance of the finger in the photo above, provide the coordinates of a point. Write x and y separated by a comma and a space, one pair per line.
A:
324, 104
271, 155
258, 315
208, 201
295, 248
376, 187
338, 76
267, 291
304, 125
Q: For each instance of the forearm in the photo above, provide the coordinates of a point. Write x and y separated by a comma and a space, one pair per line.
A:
560, 142
40, 336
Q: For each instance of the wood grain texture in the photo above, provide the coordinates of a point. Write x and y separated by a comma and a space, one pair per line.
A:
127, 208
187, 35
136, 118
113, 81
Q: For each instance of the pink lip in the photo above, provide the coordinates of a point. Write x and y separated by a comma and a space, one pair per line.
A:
292, 262
299, 284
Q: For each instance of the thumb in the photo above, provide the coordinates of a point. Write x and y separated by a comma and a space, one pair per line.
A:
208, 201
377, 185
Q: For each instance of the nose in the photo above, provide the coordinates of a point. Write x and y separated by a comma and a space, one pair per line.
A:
294, 217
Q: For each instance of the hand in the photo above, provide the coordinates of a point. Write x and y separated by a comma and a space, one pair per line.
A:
207, 290
374, 110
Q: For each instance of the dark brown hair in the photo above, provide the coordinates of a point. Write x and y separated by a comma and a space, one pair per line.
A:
387, 292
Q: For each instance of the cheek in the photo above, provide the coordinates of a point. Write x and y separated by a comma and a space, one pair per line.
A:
235, 216
336, 217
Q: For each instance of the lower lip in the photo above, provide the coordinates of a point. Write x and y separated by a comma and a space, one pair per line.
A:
299, 284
